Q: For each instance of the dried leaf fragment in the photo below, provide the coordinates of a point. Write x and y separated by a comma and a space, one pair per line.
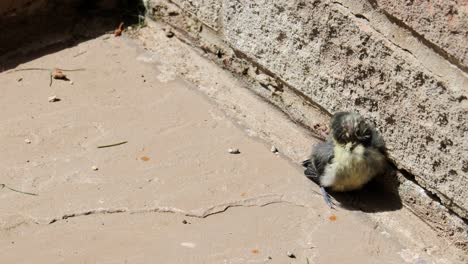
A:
58, 74
118, 31
332, 217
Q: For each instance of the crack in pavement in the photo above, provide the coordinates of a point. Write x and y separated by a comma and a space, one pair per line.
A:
259, 201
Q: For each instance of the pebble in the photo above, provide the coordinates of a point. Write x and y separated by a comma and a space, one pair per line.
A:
94, 168
169, 34
53, 99
27, 141
184, 222
274, 149
71, 82
172, 12
234, 151
291, 255
188, 244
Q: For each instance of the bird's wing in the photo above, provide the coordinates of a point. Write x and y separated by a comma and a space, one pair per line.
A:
322, 155
310, 170
378, 142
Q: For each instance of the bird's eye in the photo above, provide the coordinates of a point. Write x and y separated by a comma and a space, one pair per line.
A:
366, 134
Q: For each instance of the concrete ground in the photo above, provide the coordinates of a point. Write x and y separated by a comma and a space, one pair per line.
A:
172, 193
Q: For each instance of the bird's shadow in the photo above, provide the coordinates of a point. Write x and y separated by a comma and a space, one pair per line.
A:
379, 195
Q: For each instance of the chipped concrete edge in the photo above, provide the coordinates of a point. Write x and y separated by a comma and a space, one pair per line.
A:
298, 107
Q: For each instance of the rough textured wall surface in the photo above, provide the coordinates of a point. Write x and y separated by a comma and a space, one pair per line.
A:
346, 55
442, 22
205, 10
341, 62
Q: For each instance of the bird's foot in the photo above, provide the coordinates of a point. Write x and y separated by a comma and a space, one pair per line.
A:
326, 197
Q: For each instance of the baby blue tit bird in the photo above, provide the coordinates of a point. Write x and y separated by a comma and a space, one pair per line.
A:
352, 155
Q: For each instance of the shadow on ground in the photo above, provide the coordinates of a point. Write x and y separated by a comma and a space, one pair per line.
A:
379, 195
62, 25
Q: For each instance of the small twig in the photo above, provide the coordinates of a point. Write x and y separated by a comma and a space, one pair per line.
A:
49, 70
79, 69
79, 54
11, 189
113, 145
45, 69
28, 69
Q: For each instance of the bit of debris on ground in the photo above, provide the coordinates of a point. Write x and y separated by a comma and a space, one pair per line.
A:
322, 130
290, 254
79, 54
54, 73
15, 190
169, 33
118, 31
234, 151
188, 244
113, 145
53, 98
57, 74
274, 149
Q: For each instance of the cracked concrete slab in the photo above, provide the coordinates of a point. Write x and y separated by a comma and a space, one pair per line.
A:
307, 57
179, 113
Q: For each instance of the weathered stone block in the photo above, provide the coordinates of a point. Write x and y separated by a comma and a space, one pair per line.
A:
339, 61
442, 22
205, 10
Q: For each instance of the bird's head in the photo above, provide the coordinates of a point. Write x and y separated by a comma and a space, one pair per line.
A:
351, 128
